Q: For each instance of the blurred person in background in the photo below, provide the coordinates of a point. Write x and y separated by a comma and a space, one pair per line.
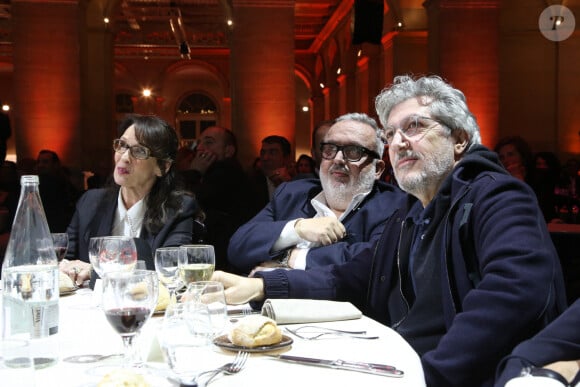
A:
221, 186
57, 192
275, 156
516, 156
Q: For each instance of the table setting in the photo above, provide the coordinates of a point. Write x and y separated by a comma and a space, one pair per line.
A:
342, 354
117, 334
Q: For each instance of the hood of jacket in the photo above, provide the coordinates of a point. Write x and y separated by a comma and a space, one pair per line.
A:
476, 161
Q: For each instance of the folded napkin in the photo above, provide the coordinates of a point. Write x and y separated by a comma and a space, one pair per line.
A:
292, 311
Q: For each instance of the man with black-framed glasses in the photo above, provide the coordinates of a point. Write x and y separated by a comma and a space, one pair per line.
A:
313, 222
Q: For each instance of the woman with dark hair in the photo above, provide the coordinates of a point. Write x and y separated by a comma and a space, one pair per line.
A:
305, 166
516, 156
143, 203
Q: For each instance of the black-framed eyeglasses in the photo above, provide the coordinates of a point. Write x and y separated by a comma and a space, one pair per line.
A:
411, 127
139, 152
350, 152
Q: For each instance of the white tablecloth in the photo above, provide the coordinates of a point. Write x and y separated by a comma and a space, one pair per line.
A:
85, 330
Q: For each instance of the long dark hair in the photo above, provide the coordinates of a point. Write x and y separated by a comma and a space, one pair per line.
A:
165, 197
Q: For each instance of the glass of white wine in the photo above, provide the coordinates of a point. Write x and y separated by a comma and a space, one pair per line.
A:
196, 263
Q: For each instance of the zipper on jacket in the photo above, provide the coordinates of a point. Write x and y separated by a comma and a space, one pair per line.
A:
395, 325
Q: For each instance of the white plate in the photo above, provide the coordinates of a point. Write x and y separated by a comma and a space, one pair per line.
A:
224, 342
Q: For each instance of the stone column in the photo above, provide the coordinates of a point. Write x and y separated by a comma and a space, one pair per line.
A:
47, 91
464, 49
262, 73
97, 61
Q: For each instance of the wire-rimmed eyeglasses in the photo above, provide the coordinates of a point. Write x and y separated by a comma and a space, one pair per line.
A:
139, 152
411, 127
350, 152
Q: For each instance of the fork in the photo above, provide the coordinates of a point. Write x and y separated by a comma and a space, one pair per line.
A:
245, 311
329, 331
230, 368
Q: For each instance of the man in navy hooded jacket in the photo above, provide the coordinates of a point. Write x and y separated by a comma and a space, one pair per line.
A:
466, 270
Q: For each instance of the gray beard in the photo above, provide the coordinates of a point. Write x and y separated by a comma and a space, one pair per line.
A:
339, 195
435, 168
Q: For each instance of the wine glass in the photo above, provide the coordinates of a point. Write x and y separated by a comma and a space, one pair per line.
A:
112, 253
196, 263
185, 335
211, 294
60, 242
129, 299
166, 265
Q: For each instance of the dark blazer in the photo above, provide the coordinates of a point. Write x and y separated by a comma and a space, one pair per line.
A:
252, 243
94, 216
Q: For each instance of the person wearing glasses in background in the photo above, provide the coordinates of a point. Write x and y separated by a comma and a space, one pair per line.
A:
143, 202
465, 270
312, 222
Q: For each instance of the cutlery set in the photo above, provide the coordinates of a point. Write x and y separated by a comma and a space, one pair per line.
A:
305, 332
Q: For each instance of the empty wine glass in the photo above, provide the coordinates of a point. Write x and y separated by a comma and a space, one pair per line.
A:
167, 267
112, 253
185, 335
196, 263
129, 299
211, 294
60, 242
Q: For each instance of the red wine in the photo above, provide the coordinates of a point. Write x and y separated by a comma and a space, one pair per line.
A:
60, 252
127, 320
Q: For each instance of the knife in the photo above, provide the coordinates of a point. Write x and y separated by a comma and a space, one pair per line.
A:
369, 368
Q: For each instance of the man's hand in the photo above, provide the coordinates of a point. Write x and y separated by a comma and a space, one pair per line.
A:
325, 231
202, 161
240, 290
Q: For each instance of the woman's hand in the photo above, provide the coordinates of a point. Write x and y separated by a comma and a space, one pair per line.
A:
238, 289
78, 271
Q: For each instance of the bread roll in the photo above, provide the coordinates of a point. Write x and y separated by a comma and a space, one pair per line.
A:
123, 378
65, 283
255, 331
162, 299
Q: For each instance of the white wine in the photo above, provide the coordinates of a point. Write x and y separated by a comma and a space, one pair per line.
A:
196, 272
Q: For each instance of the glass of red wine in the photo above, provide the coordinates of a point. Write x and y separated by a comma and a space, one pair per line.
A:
60, 242
129, 299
